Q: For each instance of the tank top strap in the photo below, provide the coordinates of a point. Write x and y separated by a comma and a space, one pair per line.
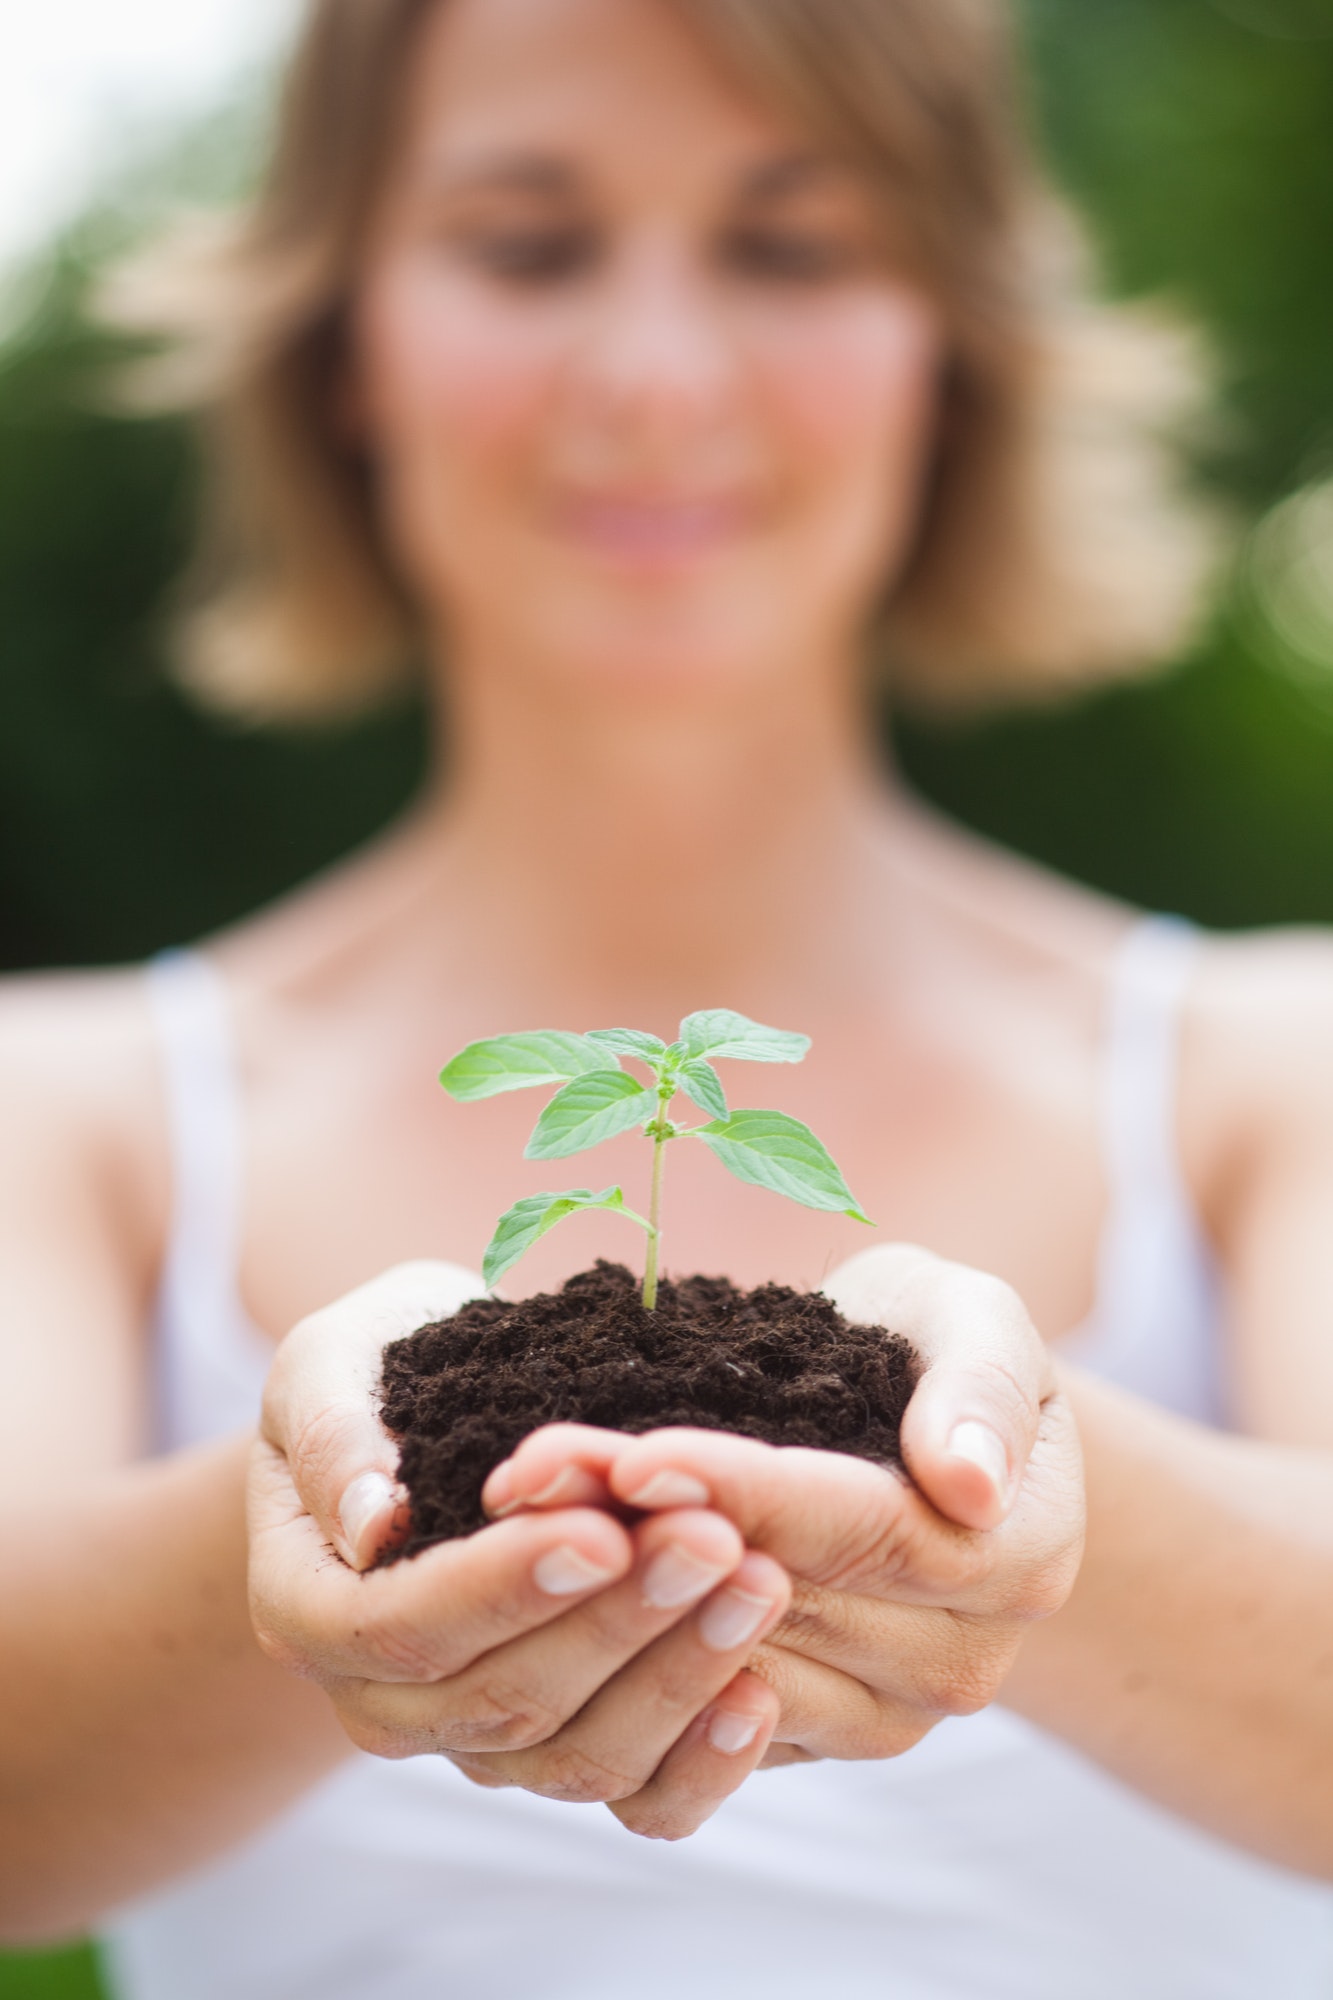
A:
1154, 1328
210, 1359
1141, 1065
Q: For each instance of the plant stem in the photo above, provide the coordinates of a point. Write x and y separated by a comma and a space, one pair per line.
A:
660, 1136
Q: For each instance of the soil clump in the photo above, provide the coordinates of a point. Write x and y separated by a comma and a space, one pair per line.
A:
776, 1364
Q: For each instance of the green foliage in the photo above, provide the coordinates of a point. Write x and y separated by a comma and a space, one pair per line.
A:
517, 1062
590, 1109
766, 1148
528, 1220
719, 1032
628, 1042
774, 1151
703, 1086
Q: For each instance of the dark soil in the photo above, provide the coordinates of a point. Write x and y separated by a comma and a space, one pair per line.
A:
773, 1364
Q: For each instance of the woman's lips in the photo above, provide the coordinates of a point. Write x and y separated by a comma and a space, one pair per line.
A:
652, 532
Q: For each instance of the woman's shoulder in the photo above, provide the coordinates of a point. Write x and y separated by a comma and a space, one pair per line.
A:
80, 1083
1257, 1062
74, 1034
1261, 1012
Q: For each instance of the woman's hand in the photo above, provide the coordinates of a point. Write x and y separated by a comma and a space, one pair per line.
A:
910, 1600
594, 1661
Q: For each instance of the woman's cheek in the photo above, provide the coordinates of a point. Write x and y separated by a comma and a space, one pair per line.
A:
856, 400
450, 372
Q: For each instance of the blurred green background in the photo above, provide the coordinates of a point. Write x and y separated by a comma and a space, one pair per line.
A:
1198, 135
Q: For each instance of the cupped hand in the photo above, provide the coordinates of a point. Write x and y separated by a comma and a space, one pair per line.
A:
560, 1650
910, 1597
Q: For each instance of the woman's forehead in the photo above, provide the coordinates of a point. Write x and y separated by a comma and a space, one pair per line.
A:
564, 79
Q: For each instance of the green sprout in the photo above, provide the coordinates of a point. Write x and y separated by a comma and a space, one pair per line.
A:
598, 1099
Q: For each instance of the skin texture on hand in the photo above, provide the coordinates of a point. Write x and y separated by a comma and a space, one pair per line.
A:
603, 1662
626, 1629
903, 1611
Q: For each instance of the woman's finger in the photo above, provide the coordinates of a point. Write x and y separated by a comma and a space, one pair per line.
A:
713, 1758
561, 1465
971, 1426
611, 1749
824, 1515
824, 1713
523, 1693
925, 1657
320, 1403
422, 1620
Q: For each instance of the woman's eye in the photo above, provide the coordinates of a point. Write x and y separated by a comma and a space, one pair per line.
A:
789, 256
533, 256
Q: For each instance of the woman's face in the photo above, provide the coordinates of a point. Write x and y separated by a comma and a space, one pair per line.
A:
649, 404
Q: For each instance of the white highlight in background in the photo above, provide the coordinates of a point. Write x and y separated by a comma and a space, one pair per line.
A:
86, 84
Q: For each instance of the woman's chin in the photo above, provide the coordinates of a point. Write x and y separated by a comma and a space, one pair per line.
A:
645, 676
671, 654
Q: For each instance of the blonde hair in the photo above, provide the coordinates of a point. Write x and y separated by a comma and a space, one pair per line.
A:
1056, 544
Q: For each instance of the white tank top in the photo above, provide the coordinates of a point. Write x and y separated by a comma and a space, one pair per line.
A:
989, 1863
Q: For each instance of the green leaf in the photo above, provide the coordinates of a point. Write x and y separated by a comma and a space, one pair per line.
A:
773, 1151
518, 1062
719, 1032
590, 1109
629, 1042
529, 1219
703, 1086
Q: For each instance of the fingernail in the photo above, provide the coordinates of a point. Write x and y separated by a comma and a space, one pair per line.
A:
500, 1491
563, 1572
555, 1487
675, 1577
671, 1489
366, 1498
730, 1618
984, 1448
731, 1733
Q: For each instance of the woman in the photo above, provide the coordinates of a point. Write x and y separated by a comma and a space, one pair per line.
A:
630, 361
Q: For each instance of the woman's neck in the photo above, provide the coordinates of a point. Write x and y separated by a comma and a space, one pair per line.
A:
655, 847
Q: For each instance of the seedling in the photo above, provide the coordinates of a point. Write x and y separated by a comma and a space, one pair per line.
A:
599, 1098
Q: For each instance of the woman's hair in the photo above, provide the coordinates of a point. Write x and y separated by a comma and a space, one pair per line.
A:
1056, 545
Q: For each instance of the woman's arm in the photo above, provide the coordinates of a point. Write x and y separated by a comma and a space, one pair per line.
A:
1195, 1657
141, 1728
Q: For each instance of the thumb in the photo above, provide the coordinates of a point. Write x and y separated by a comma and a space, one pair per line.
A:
320, 1403
970, 1428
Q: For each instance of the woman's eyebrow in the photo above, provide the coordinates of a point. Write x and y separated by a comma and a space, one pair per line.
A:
790, 173
521, 173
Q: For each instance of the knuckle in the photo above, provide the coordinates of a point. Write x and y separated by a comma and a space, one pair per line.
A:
652, 1818
316, 1451
1046, 1588
868, 1544
889, 1729
376, 1734
973, 1665
900, 1552
572, 1775
965, 1686
275, 1646
822, 1624
478, 1772
490, 1718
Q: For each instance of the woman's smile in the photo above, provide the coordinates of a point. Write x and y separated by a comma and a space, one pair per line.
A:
647, 532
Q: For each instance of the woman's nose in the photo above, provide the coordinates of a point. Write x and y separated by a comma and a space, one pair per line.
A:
657, 358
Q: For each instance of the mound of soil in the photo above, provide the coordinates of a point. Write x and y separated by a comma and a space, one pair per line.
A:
774, 1364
